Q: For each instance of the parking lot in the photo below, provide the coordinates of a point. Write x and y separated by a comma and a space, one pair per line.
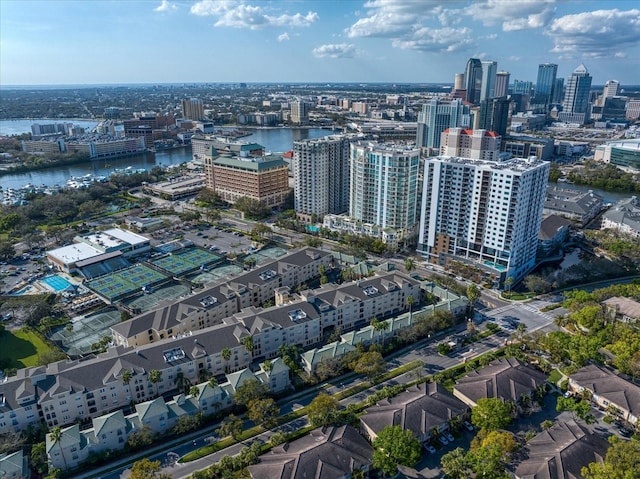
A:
221, 239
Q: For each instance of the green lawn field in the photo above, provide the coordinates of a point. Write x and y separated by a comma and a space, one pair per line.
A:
22, 347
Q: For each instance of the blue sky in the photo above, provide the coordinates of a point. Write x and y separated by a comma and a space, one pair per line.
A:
166, 41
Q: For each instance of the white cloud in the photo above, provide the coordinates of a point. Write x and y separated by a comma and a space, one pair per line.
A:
436, 39
240, 15
513, 15
339, 50
283, 37
165, 6
595, 34
392, 18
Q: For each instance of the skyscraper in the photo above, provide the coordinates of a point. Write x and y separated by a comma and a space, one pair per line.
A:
545, 85
321, 175
484, 212
522, 86
488, 87
299, 114
192, 109
502, 84
473, 80
575, 105
494, 115
436, 116
611, 88
558, 92
384, 186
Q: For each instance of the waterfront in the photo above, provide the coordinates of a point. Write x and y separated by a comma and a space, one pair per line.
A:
273, 139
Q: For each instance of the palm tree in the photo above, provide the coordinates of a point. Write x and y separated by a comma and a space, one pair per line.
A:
155, 377
203, 375
267, 366
509, 282
379, 327
194, 391
126, 376
410, 301
56, 437
409, 264
247, 342
182, 383
226, 355
212, 383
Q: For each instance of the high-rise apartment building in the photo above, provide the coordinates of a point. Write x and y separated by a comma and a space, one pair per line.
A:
193, 109
502, 84
575, 105
611, 88
473, 80
321, 176
474, 144
488, 88
436, 116
484, 213
299, 113
545, 86
494, 115
384, 186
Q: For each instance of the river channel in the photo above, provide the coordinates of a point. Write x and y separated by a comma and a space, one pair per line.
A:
273, 139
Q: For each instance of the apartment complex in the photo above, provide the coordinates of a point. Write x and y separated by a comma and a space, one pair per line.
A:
211, 306
321, 176
485, 213
474, 144
111, 431
299, 113
66, 391
261, 178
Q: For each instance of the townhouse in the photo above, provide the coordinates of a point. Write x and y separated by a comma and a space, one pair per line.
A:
608, 391
109, 432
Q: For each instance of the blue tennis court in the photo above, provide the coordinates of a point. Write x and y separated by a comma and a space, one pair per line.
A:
57, 283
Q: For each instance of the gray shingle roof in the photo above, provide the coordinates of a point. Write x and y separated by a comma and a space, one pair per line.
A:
325, 453
561, 452
418, 409
507, 379
609, 386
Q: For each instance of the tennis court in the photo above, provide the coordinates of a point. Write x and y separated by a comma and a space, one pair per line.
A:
149, 301
268, 254
77, 338
215, 274
185, 260
125, 282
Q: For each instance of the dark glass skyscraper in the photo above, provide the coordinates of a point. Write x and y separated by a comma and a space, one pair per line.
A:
473, 80
494, 115
576, 95
545, 85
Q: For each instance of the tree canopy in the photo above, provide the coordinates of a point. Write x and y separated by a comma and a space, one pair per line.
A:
621, 462
492, 413
248, 391
322, 411
395, 446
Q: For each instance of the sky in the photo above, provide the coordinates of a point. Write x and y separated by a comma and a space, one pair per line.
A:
393, 41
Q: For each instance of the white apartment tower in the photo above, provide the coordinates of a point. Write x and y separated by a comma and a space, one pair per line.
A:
484, 213
384, 186
321, 176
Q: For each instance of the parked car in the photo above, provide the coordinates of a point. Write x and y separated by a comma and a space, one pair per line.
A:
450, 437
443, 440
430, 449
467, 426
624, 432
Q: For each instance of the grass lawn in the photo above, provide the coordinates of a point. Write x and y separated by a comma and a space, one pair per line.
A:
22, 347
554, 377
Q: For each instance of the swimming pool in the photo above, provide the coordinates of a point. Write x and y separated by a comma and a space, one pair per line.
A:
57, 283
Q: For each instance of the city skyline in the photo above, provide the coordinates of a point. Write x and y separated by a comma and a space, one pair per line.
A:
164, 41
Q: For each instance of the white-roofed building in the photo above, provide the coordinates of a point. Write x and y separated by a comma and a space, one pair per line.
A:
93, 246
